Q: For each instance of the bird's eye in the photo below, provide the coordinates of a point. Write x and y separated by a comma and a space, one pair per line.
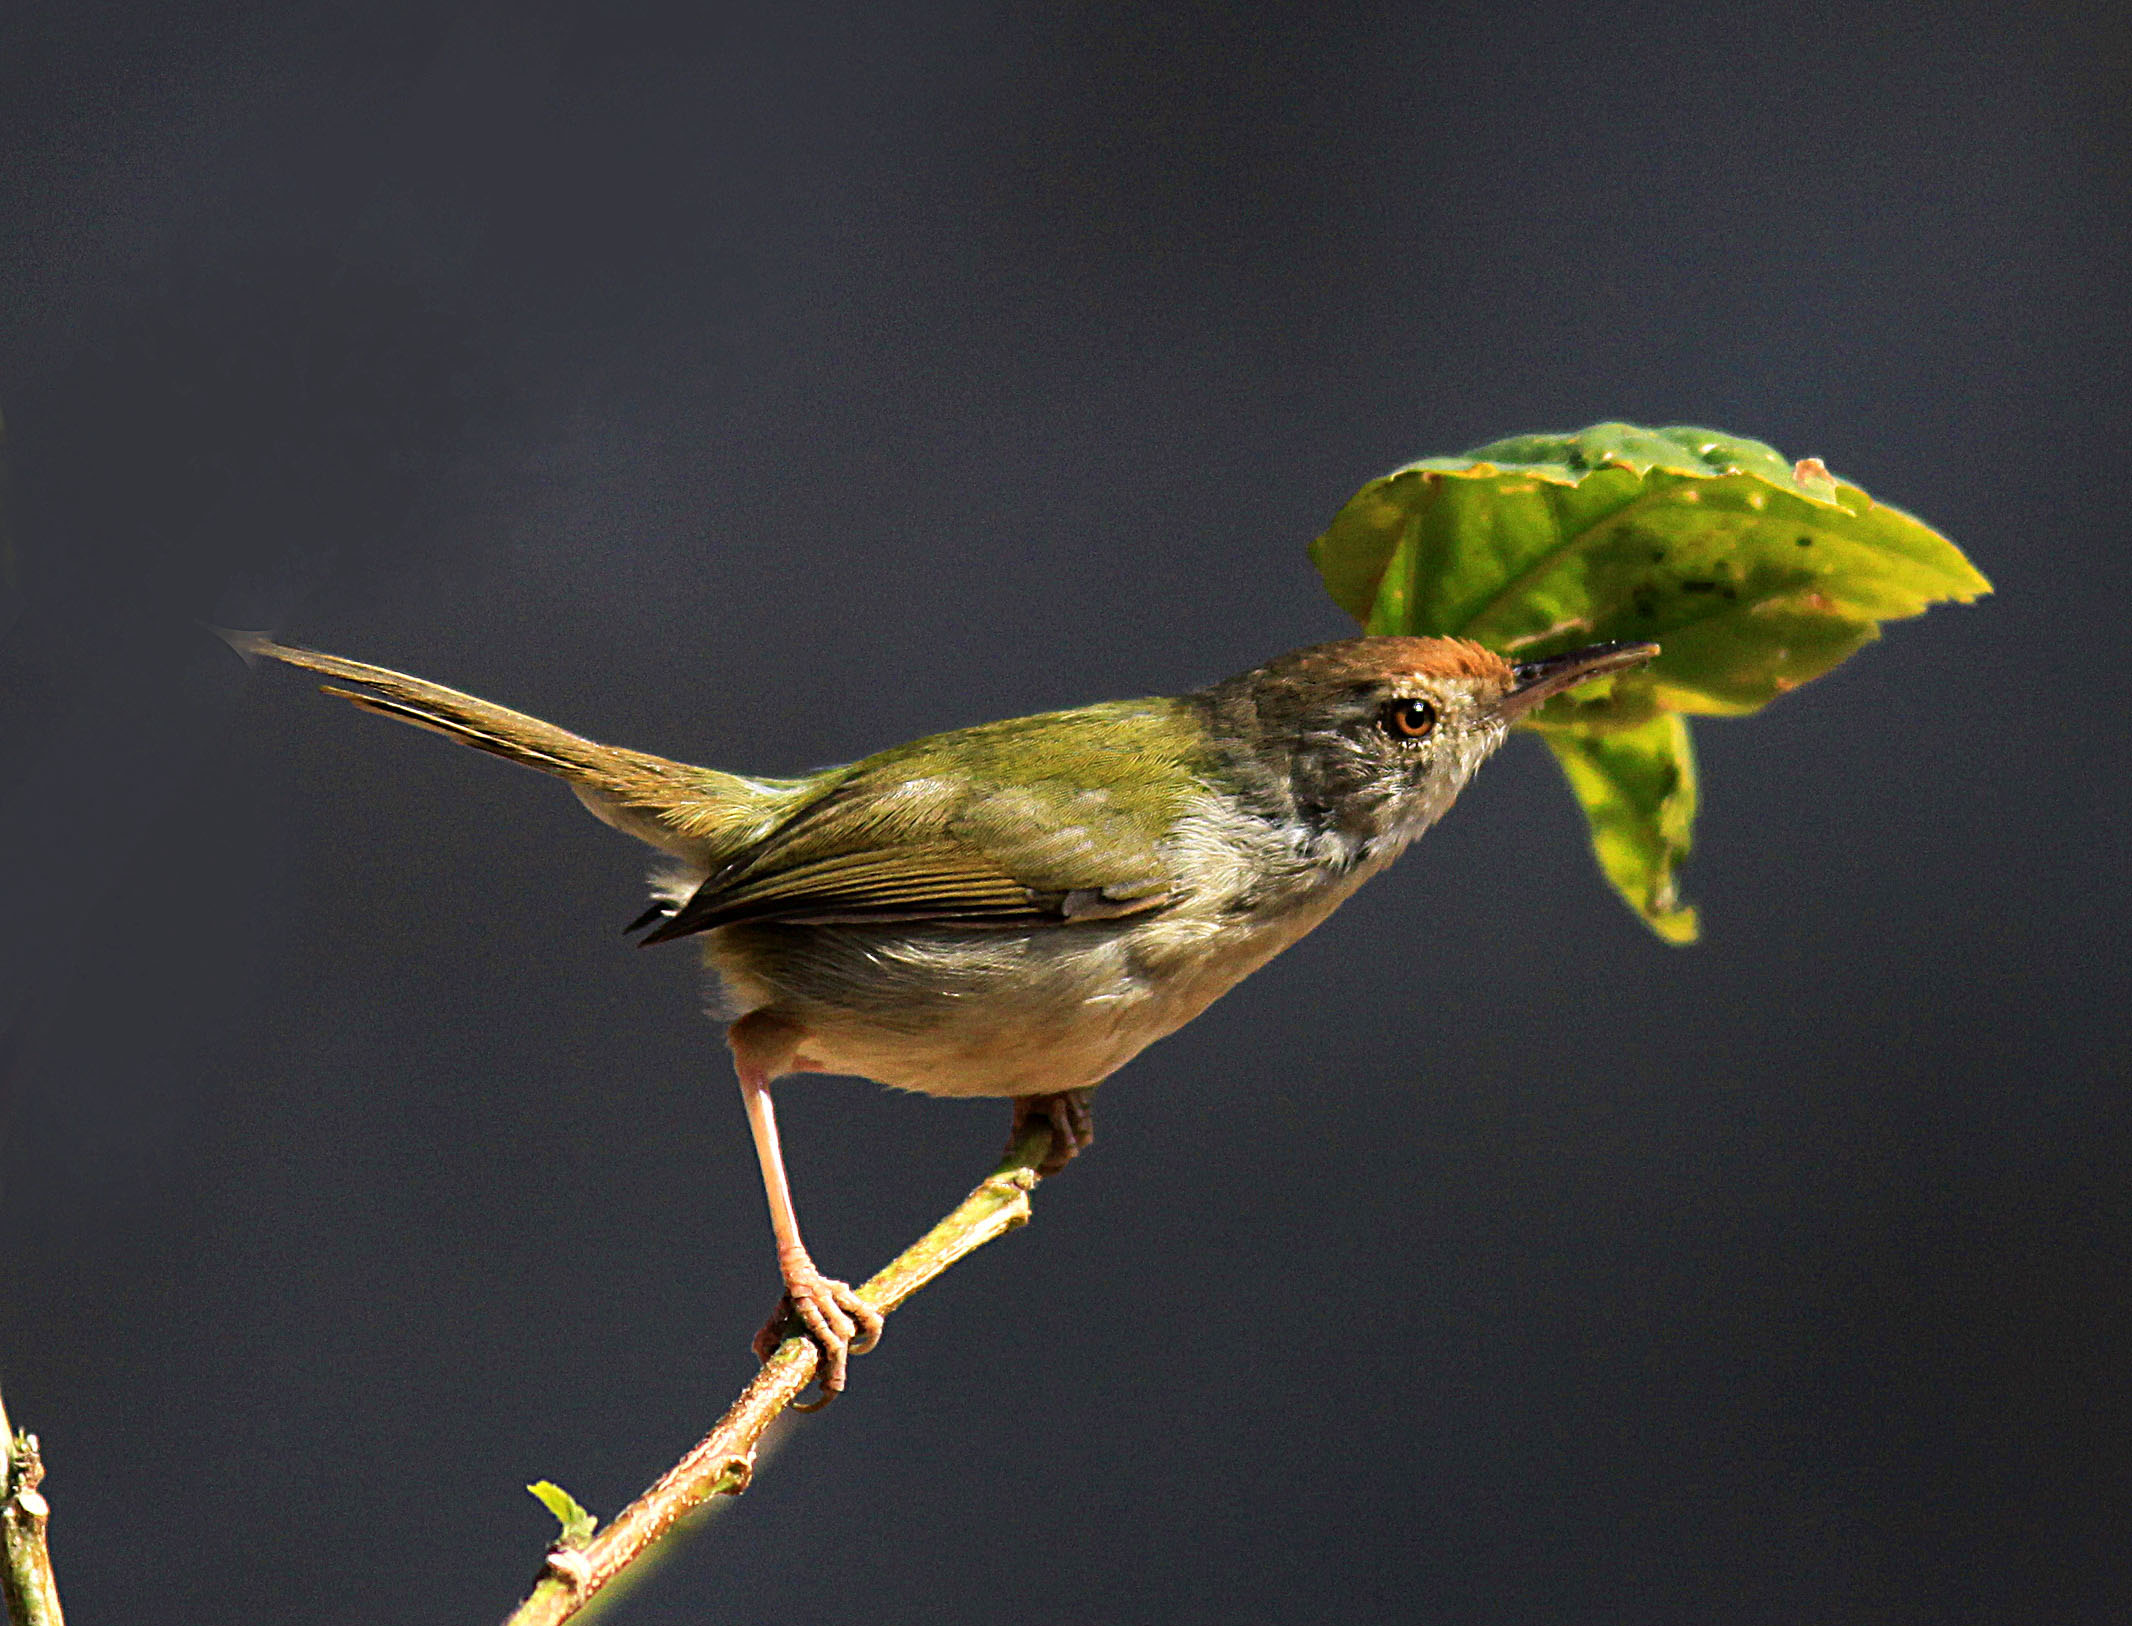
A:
1409, 719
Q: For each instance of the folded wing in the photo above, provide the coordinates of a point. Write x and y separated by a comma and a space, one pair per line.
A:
1040, 821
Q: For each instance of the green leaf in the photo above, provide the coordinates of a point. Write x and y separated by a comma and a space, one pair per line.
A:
1637, 786
577, 1524
1754, 574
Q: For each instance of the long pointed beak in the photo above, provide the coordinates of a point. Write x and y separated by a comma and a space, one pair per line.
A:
1540, 681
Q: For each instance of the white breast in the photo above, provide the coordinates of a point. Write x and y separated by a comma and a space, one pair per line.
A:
1014, 1012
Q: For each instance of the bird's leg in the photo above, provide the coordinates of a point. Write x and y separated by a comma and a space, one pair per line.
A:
1072, 1120
841, 1323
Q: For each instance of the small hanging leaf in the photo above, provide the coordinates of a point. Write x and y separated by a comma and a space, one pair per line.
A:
577, 1524
1637, 786
1753, 573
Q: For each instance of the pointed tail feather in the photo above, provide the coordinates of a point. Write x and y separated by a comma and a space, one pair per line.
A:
698, 815
496, 729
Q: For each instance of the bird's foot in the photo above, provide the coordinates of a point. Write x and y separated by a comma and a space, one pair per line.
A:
1072, 1120
840, 1322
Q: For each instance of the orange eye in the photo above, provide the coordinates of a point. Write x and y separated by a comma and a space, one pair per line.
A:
1409, 719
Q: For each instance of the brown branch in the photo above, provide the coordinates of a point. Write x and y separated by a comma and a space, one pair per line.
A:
724, 1459
26, 1578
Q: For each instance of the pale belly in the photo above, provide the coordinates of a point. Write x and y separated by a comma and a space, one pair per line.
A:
1002, 1013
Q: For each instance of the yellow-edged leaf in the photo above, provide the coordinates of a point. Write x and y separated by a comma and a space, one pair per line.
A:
1754, 574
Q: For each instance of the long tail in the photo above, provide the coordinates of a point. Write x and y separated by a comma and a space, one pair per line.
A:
495, 729
672, 805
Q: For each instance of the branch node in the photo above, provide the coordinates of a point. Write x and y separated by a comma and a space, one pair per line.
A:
569, 1566
27, 1585
28, 1466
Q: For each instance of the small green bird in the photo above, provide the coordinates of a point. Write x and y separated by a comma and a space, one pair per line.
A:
1018, 909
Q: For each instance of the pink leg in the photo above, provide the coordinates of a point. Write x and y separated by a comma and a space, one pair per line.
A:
841, 1323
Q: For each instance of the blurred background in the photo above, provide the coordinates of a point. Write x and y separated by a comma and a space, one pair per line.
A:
764, 385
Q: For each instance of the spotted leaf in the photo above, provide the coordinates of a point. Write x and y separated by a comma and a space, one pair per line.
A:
1754, 574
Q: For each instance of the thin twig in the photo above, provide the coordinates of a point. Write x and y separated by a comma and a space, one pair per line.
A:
26, 1578
724, 1459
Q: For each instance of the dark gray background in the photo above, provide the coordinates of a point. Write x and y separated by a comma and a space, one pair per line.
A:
768, 391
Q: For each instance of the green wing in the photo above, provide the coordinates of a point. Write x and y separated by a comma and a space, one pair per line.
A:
1041, 820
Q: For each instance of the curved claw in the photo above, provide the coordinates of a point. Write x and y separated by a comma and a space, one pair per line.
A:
1072, 1121
840, 1322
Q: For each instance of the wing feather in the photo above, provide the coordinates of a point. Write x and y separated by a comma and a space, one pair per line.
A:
1035, 822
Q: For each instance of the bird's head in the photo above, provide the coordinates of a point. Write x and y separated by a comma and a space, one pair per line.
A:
1370, 740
